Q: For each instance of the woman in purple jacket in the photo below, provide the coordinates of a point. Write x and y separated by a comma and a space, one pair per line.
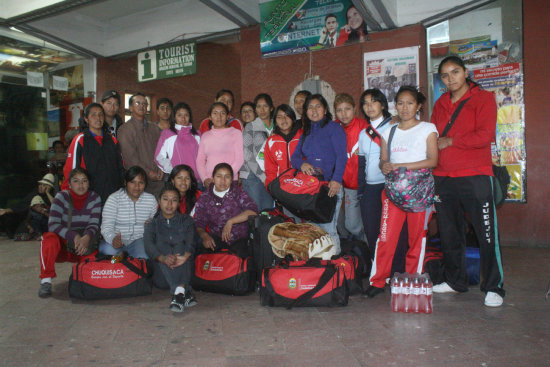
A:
322, 151
224, 209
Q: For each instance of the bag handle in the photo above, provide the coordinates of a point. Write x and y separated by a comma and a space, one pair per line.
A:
453, 117
135, 269
390, 138
323, 281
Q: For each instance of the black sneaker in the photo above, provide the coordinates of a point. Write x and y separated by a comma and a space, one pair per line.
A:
372, 292
45, 290
178, 303
190, 299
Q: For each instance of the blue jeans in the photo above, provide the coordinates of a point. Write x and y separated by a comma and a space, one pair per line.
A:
330, 227
135, 249
255, 188
352, 215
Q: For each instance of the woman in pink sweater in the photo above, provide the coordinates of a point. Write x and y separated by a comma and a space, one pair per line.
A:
221, 144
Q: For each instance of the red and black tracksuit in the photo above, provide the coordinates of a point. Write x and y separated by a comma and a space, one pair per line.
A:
277, 153
463, 185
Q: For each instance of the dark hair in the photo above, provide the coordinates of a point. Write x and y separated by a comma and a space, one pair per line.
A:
134, 96
248, 103
191, 194
331, 15
164, 100
222, 165
417, 95
83, 125
212, 106
354, 34
287, 110
303, 92
306, 122
177, 107
167, 187
377, 96
458, 62
78, 170
267, 98
221, 92
58, 142
133, 172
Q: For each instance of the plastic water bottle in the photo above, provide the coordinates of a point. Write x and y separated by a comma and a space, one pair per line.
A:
118, 257
427, 286
395, 292
415, 294
406, 291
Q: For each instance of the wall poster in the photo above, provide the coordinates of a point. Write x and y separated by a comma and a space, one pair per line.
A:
296, 26
389, 70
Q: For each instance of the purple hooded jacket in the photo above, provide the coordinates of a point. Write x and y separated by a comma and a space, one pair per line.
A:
213, 212
185, 149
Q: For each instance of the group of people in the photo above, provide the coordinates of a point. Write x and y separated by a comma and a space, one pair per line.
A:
208, 181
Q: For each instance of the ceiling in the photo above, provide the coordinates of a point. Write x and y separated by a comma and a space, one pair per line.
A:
104, 28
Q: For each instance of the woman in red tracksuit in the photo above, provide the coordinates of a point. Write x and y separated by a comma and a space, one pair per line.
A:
281, 144
344, 107
464, 182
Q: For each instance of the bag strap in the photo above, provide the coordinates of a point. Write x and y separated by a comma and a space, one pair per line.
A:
390, 138
135, 269
375, 135
453, 117
327, 275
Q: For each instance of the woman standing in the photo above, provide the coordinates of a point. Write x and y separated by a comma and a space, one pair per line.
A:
183, 179
224, 209
248, 112
464, 182
321, 151
97, 151
255, 135
414, 151
221, 143
169, 242
125, 214
82, 226
282, 143
180, 143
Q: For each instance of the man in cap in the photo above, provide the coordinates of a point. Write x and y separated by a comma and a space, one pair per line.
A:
110, 100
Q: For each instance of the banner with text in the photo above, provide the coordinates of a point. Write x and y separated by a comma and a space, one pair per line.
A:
296, 26
167, 62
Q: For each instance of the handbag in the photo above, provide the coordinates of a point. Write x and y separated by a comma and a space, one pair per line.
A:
410, 190
305, 196
300, 283
94, 241
103, 279
223, 272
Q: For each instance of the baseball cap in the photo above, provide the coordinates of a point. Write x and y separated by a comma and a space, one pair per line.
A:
110, 94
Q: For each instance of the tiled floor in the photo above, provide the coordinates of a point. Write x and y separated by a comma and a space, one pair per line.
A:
237, 331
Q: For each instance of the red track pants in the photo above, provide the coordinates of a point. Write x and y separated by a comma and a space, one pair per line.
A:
390, 228
53, 249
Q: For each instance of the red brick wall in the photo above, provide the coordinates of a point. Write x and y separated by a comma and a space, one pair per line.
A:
218, 66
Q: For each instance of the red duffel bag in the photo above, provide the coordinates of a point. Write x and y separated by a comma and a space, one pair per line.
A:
223, 272
300, 283
305, 196
101, 279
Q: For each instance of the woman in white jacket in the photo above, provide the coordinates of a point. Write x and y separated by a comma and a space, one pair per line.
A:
124, 216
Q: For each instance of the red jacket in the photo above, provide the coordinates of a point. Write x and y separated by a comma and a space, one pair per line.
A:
352, 131
233, 122
473, 132
277, 153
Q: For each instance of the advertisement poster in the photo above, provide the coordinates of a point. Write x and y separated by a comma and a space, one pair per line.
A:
167, 62
389, 70
506, 83
296, 26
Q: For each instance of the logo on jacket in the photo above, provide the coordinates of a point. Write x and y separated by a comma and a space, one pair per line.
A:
278, 154
292, 283
206, 265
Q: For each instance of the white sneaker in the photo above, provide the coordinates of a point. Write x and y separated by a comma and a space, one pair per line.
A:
443, 288
493, 299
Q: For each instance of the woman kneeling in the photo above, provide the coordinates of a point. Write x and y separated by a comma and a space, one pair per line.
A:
224, 209
169, 242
